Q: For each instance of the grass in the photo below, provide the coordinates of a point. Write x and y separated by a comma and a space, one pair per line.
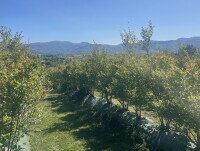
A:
63, 125
51, 133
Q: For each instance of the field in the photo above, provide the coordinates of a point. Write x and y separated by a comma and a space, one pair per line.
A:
43, 97
70, 126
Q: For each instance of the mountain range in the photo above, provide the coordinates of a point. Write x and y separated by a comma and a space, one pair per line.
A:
69, 48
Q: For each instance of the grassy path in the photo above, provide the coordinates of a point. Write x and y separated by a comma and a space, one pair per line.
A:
51, 132
68, 126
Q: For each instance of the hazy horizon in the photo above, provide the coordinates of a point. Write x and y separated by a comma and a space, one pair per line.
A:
101, 21
108, 43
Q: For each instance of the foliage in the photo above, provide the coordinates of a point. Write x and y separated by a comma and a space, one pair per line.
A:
166, 84
146, 34
52, 60
187, 49
22, 81
131, 82
163, 83
129, 40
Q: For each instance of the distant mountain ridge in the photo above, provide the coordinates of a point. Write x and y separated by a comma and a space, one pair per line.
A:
69, 48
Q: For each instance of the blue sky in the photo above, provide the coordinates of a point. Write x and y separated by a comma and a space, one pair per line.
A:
99, 20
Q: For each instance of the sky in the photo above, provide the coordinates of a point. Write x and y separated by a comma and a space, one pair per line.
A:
101, 21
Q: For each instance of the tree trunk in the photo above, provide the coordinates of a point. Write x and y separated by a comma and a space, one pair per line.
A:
102, 95
15, 135
106, 96
162, 125
198, 141
110, 99
127, 106
167, 125
1, 122
138, 112
11, 133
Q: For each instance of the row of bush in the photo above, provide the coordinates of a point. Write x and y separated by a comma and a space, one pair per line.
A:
22, 85
165, 83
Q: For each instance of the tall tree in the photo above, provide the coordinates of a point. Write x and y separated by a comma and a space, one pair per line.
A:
146, 34
22, 81
129, 40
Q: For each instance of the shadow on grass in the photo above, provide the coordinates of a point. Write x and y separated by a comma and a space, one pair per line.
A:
83, 123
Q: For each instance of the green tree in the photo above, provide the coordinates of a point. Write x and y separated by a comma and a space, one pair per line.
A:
131, 83
22, 82
105, 76
164, 85
129, 40
146, 34
189, 101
